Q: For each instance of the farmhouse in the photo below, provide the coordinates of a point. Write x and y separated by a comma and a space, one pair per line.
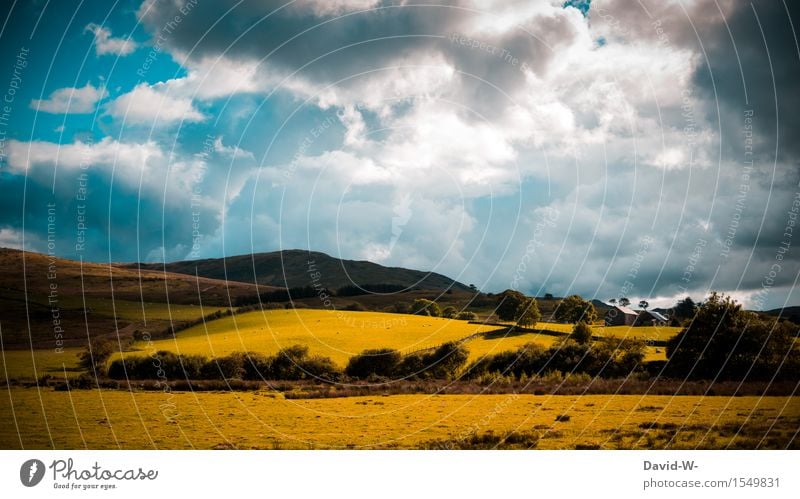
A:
620, 316
650, 318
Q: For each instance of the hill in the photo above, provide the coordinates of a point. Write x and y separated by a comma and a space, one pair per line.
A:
300, 268
48, 302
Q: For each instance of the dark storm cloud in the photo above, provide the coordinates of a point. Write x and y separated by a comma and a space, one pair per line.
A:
756, 66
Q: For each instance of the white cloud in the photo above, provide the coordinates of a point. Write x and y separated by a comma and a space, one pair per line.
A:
153, 105
104, 43
71, 100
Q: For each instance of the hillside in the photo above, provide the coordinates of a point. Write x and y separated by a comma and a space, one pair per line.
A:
292, 268
96, 299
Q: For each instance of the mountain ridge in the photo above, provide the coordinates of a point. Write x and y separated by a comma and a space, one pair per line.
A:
299, 268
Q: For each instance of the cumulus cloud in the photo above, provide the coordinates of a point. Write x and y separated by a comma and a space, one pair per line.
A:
71, 100
104, 43
471, 122
153, 105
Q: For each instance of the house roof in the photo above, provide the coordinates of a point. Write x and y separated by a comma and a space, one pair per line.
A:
626, 310
657, 315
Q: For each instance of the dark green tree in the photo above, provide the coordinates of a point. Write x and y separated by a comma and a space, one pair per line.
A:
574, 309
508, 303
528, 313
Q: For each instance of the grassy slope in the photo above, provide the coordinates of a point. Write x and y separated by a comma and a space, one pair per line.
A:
135, 420
338, 335
25, 314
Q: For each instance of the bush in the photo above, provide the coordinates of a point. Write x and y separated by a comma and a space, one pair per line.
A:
291, 363
96, 355
421, 306
605, 358
446, 361
581, 333
355, 307
161, 365
467, 316
449, 312
378, 362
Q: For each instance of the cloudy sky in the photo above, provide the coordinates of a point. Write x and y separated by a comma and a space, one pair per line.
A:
647, 149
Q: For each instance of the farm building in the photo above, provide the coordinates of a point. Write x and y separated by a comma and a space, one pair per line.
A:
620, 316
650, 318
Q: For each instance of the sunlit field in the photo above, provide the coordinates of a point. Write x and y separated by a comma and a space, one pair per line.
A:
334, 334
113, 419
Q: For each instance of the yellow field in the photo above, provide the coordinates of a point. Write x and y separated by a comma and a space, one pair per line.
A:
492, 343
143, 420
334, 334
644, 333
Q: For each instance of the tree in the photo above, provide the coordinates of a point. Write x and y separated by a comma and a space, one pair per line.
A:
97, 353
574, 309
548, 296
449, 312
726, 342
581, 333
643, 305
528, 313
467, 316
624, 302
685, 309
507, 304
612, 301
421, 306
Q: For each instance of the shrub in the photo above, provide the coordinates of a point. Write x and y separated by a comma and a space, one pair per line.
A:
581, 333
96, 355
355, 307
229, 367
446, 361
467, 316
421, 306
449, 312
378, 362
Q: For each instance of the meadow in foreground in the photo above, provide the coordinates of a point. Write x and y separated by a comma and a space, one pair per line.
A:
110, 419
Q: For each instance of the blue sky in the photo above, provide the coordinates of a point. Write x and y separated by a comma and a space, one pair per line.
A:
548, 146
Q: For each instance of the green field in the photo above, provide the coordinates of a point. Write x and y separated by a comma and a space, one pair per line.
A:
19, 364
114, 419
136, 311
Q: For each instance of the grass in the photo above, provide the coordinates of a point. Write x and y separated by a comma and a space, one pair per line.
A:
18, 364
110, 419
334, 334
644, 333
492, 344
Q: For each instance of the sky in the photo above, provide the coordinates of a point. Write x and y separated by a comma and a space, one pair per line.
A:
609, 148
